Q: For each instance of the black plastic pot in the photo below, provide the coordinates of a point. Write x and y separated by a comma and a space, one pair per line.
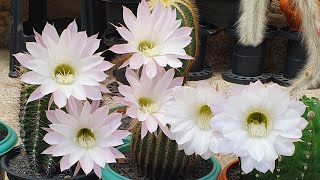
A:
248, 61
114, 9
198, 70
295, 57
221, 13
14, 176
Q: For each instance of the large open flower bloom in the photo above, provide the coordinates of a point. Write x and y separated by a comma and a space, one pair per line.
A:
65, 65
259, 124
87, 135
189, 116
146, 96
153, 38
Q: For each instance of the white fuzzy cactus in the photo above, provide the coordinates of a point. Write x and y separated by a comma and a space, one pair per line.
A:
310, 75
252, 23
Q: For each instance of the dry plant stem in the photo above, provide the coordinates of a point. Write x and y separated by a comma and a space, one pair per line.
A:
310, 75
251, 25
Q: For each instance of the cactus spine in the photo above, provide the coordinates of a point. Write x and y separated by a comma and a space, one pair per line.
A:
305, 163
188, 13
32, 119
157, 157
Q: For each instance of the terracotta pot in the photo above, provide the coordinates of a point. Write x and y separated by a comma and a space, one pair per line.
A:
292, 15
223, 173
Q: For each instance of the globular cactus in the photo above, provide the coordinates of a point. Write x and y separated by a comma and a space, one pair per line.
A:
158, 157
32, 120
188, 13
305, 163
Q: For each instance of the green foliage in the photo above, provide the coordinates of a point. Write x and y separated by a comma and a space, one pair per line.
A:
158, 157
32, 120
305, 163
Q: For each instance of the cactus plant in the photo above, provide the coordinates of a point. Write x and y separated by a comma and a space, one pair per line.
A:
157, 156
305, 163
32, 120
188, 13
252, 21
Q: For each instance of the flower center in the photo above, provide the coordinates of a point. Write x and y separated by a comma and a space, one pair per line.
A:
166, 3
86, 138
148, 48
257, 124
147, 105
64, 74
203, 117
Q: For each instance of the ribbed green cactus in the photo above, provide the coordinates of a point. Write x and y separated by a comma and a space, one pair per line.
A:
32, 119
158, 157
305, 163
188, 13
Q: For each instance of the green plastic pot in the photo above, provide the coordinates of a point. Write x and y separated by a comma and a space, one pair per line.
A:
108, 173
9, 141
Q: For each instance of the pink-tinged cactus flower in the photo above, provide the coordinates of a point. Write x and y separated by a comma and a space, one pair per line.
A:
65, 66
189, 115
86, 135
145, 98
259, 124
153, 38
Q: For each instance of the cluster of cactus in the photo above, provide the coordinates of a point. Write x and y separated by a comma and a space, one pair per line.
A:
158, 157
188, 13
32, 120
305, 163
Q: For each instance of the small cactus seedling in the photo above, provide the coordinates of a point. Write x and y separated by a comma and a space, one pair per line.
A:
305, 163
33, 119
158, 157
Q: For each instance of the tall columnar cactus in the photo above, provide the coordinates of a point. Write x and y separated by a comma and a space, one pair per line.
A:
251, 25
309, 77
305, 163
33, 119
158, 157
188, 13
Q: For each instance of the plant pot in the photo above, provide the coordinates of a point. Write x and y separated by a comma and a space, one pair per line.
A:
7, 143
198, 70
223, 174
15, 176
108, 173
221, 13
295, 57
293, 17
248, 61
113, 10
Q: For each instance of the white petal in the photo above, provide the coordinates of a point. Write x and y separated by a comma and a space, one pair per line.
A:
86, 164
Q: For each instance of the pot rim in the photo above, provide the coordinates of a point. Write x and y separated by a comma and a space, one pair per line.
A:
126, 147
223, 173
14, 152
9, 141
